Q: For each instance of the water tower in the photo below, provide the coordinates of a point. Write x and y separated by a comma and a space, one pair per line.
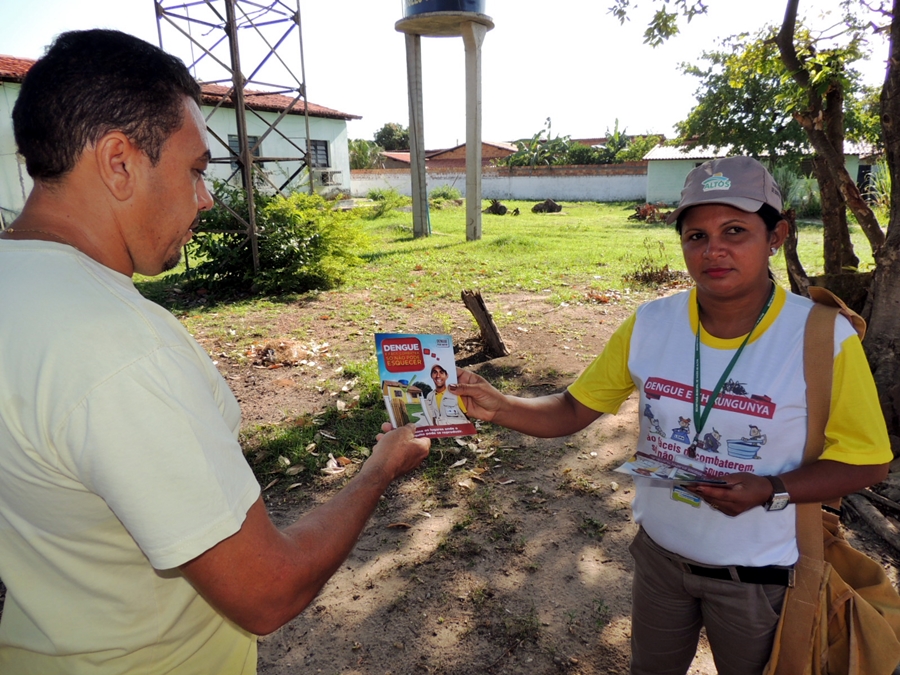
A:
445, 18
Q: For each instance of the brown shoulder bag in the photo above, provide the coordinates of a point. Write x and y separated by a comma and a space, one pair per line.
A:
842, 616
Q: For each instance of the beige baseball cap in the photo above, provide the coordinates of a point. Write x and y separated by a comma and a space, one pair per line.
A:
741, 182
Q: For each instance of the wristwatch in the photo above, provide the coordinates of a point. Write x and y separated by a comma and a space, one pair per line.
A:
780, 497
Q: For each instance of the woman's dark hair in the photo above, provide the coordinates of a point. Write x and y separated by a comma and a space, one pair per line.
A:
769, 214
93, 82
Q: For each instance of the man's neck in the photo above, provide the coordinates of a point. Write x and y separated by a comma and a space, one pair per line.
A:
63, 214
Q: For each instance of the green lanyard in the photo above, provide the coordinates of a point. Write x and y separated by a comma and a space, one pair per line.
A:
700, 417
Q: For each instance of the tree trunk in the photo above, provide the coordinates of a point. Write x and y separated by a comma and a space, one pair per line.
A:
796, 274
882, 341
838, 250
838, 230
815, 125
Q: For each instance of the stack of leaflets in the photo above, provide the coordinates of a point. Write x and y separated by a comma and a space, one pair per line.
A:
415, 370
656, 467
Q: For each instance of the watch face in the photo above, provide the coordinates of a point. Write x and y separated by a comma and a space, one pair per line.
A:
779, 501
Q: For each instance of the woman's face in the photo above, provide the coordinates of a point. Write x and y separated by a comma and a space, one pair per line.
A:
727, 250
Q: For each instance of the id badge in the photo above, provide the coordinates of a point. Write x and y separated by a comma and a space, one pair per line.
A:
679, 494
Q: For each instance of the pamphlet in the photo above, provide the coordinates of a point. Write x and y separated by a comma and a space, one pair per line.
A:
681, 472
415, 370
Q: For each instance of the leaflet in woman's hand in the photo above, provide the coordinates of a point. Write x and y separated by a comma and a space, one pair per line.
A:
415, 370
659, 468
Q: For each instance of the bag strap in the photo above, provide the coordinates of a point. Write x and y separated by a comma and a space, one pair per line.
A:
818, 349
790, 655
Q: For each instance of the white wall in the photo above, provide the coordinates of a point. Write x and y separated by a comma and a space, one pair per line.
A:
15, 183
665, 179
500, 184
333, 131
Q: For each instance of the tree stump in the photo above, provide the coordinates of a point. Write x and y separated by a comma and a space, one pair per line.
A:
490, 336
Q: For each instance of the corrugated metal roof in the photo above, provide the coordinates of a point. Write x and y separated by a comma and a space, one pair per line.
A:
682, 152
705, 152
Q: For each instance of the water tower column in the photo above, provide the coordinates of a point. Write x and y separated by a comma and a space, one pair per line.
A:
473, 37
421, 223
445, 18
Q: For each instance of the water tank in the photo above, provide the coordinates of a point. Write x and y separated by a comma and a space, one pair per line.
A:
415, 7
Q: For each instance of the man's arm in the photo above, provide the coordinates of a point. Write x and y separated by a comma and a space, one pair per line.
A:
545, 416
262, 577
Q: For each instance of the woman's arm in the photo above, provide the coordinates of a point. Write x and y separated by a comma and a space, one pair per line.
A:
544, 416
821, 481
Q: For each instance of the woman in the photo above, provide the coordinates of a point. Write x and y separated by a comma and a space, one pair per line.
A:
711, 555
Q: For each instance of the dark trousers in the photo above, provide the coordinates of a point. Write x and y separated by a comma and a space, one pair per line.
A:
669, 606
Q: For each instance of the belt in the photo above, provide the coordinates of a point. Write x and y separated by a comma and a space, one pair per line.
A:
778, 576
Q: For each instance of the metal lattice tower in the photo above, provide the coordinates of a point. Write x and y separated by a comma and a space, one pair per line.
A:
239, 51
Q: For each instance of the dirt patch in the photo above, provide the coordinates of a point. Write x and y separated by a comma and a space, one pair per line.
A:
524, 571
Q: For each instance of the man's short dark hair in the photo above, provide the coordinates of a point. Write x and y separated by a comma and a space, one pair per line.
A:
91, 83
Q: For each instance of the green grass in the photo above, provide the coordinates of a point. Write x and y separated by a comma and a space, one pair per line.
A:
588, 247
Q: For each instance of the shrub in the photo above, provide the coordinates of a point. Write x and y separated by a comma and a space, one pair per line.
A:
304, 244
365, 154
579, 153
878, 185
386, 200
799, 192
445, 192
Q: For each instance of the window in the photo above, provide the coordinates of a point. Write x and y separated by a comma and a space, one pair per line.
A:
235, 148
318, 155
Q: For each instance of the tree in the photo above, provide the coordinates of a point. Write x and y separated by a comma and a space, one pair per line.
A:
745, 101
392, 136
637, 147
365, 154
542, 149
819, 77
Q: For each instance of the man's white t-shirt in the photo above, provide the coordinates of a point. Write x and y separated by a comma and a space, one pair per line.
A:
120, 462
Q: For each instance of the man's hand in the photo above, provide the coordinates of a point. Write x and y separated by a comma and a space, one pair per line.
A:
397, 451
481, 399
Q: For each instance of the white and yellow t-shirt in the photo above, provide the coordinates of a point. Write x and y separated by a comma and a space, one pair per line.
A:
758, 424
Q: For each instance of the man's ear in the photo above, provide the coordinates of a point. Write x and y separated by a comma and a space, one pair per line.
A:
119, 163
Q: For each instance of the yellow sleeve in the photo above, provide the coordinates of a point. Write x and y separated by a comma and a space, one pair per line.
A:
856, 432
606, 382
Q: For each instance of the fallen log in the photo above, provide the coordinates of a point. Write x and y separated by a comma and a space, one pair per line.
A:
873, 496
883, 527
490, 336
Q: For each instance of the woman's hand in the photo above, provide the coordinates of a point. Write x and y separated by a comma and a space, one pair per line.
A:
742, 492
481, 399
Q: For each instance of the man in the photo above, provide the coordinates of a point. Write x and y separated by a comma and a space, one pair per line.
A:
443, 406
133, 538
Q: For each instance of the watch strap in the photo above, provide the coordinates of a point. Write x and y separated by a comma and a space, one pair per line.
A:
778, 489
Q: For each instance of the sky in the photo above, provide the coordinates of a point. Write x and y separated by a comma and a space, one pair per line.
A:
567, 60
